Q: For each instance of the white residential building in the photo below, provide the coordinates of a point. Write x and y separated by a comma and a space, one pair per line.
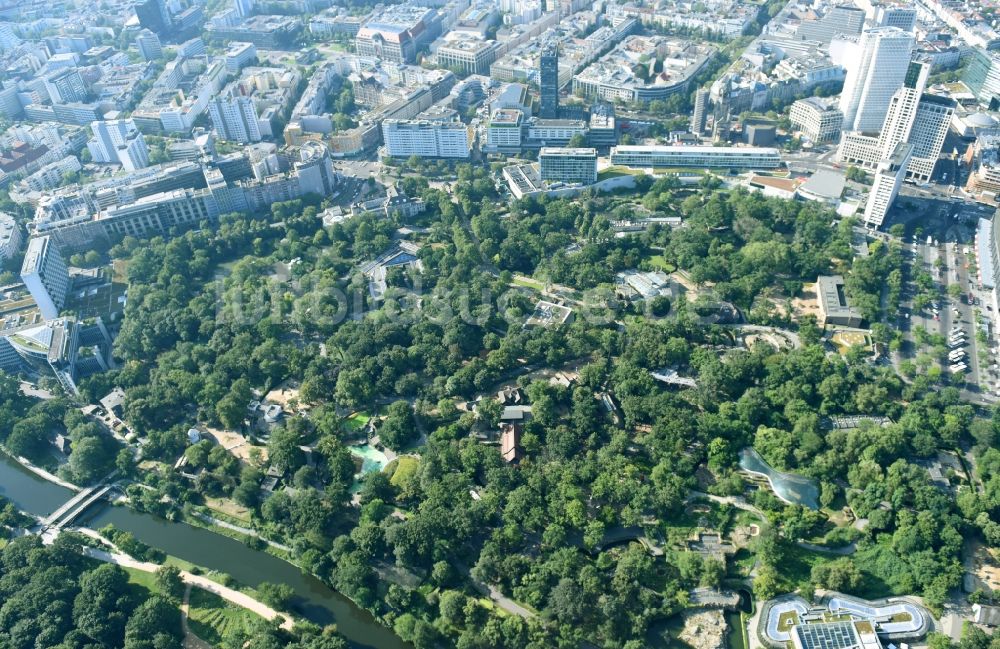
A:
45, 274
239, 55
888, 178
876, 69
10, 236
426, 139
133, 153
235, 119
118, 142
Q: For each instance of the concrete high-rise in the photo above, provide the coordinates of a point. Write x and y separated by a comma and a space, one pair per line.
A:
244, 7
875, 71
902, 109
913, 116
548, 81
235, 118
888, 179
149, 45
66, 86
109, 136
45, 274
154, 15
699, 116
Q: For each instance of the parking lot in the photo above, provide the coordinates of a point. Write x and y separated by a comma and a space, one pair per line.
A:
952, 317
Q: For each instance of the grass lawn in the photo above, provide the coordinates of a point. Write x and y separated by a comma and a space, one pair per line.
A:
527, 282
142, 579
357, 421
404, 470
615, 172
659, 262
229, 509
213, 619
787, 620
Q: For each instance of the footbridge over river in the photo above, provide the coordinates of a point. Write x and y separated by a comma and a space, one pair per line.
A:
72, 508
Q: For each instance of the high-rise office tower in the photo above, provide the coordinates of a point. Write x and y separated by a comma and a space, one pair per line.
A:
930, 127
903, 109
153, 15
149, 45
888, 179
699, 115
244, 7
913, 116
549, 82
45, 274
875, 71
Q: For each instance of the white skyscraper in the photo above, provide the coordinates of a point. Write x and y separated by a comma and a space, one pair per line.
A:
133, 153
876, 69
118, 141
44, 273
902, 109
244, 7
913, 116
888, 179
235, 118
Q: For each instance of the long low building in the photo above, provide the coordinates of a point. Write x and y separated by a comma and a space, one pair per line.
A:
696, 157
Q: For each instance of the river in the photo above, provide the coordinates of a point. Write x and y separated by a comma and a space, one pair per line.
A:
313, 600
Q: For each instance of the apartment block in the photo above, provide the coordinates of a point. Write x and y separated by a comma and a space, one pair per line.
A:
426, 139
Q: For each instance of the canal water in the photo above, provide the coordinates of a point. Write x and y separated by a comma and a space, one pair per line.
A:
313, 600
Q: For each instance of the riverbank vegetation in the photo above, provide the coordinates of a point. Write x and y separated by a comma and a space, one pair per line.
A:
54, 596
29, 428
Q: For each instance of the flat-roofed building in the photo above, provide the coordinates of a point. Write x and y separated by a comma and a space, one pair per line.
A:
45, 274
554, 131
468, 55
698, 157
833, 305
603, 125
426, 139
396, 33
627, 72
239, 55
10, 236
571, 165
888, 179
504, 130
819, 120
845, 634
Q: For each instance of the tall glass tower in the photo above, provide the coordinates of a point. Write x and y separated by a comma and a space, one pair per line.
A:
549, 82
